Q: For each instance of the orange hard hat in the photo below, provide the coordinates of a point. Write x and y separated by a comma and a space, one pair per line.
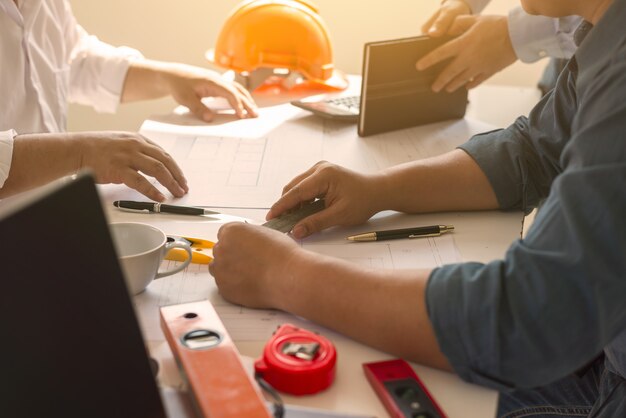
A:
284, 34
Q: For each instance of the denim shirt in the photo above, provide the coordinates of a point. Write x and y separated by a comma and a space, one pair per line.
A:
558, 298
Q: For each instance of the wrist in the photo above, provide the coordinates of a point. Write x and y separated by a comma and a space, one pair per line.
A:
287, 285
381, 191
510, 54
82, 146
148, 79
384, 191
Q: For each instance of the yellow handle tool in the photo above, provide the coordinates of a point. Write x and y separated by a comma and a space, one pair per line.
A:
200, 250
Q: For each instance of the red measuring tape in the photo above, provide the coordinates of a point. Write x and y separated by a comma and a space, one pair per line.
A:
297, 361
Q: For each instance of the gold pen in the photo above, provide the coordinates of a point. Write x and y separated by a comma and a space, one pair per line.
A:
418, 232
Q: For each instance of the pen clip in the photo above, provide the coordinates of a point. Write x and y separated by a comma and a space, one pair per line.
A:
134, 210
424, 235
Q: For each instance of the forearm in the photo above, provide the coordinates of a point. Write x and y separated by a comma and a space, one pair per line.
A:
41, 158
146, 80
381, 308
452, 181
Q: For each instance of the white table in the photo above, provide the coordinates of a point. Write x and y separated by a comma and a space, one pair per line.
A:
480, 236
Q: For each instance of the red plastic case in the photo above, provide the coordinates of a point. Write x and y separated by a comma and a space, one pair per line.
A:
290, 374
400, 390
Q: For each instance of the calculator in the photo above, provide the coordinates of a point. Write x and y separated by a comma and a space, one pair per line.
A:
339, 108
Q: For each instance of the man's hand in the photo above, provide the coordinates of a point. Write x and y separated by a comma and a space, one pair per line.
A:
119, 157
482, 49
188, 85
351, 198
441, 21
252, 263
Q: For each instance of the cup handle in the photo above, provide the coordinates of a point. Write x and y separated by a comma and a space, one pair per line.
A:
169, 246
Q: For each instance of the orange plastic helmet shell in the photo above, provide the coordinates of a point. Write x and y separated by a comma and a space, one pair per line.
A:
276, 34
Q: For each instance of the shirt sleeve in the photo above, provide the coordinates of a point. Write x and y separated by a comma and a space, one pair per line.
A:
97, 69
6, 154
536, 37
522, 160
556, 299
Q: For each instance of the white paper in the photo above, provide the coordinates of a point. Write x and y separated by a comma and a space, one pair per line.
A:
226, 168
195, 283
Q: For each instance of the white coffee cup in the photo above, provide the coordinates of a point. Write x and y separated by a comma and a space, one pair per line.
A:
141, 249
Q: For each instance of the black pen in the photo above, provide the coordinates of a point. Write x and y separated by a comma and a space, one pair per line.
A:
418, 232
131, 206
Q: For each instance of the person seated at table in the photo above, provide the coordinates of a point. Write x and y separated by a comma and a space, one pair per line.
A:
545, 325
48, 59
488, 44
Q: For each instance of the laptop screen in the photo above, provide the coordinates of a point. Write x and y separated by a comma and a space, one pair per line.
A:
71, 346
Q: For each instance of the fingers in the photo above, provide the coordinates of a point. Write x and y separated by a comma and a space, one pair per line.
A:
441, 23
442, 20
307, 190
247, 100
445, 51
315, 223
303, 188
155, 168
462, 69
188, 85
238, 98
454, 75
195, 105
459, 80
159, 154
461, 25
426, 27
476, 81
302, 176
235, 102
134, 180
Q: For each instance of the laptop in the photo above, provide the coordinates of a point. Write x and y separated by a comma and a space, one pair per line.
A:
394, 95
71, 345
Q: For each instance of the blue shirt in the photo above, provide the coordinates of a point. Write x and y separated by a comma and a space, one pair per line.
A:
558, 298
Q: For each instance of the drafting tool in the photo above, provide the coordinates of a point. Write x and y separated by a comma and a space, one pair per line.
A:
200, 249
210, 363
400, 390
286, 221
297, 361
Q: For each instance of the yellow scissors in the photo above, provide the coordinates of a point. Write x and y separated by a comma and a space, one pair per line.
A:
200, 250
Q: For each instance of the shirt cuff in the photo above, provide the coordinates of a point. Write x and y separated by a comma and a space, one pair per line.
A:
6, 154
113, 77
536, 37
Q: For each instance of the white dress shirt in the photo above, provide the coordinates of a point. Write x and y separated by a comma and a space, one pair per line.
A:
48, 60
536, 37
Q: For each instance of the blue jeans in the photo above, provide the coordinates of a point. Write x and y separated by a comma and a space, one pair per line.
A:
599, 393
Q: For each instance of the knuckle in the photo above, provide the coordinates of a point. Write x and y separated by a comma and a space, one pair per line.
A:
138, 181
214, 271
217, 251
159, 168
312, 225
